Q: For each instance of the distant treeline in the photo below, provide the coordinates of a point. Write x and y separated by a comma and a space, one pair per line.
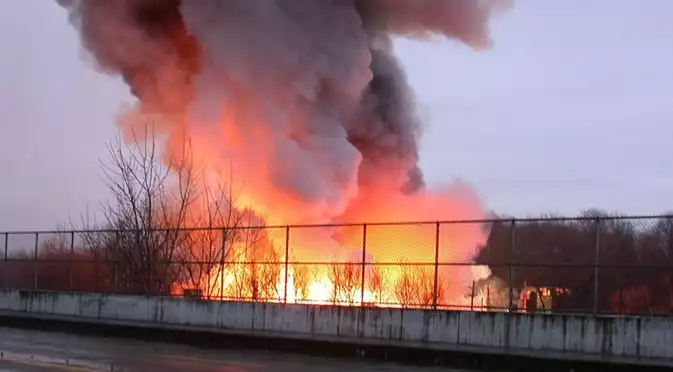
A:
635, 260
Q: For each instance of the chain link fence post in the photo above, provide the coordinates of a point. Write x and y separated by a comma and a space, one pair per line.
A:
71, 258
115, 269
435, 286
5, 259
597, 258
36, 262
287, 262
510, 271
223, 248
364, 265
151, 258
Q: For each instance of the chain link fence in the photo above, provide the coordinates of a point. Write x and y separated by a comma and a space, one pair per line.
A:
594, 264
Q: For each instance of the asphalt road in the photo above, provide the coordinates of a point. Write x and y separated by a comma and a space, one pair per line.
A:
34, 351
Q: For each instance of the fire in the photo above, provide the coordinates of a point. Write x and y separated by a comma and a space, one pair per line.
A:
325, 263
359, 260
308, 117
375, 264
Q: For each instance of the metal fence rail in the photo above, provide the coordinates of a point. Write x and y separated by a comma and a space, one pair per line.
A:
607, 265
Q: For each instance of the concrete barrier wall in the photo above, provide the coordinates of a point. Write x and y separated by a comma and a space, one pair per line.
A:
615, 339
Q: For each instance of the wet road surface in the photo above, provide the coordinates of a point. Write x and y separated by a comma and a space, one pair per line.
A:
34, 351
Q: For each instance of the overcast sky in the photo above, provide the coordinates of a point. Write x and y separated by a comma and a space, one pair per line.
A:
573, 108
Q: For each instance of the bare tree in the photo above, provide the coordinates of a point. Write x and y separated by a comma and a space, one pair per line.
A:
170, 227
143, 228
254, 273
225, 237
346, 279
415, 287
302, 279
377, 284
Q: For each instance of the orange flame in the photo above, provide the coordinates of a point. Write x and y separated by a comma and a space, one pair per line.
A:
325, 263
247, 166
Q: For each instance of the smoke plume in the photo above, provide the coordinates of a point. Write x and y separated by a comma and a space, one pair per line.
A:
305, 100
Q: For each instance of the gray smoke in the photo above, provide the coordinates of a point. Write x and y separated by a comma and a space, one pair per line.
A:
311, 92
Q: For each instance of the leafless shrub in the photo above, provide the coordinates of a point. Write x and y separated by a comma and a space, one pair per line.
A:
168, 227
346, 279
226, 236
143, 228
302, 279
256, 273
415, 287
378, 285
